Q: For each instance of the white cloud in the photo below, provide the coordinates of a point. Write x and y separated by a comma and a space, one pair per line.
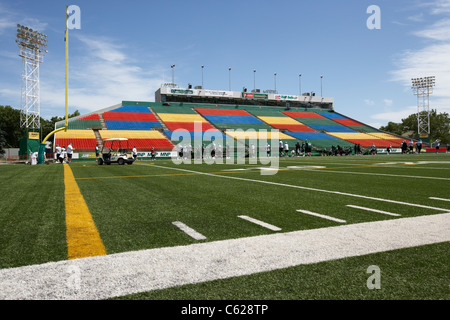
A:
395, 116
438, 31
102, 77
369, 102
441, 7
388, 102
416, 18
5, 24
432, 60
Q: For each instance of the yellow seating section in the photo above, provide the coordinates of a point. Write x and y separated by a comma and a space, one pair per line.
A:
352, 135
131, 134
280, 120
383, 135
75, 134
172, 117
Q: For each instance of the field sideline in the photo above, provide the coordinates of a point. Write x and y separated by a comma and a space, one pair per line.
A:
153, 210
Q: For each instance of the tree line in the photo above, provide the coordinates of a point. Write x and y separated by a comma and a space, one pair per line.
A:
439, 127
11, 132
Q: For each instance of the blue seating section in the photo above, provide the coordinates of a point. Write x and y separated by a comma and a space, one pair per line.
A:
232, 119
131, 125
141, 109
331, 115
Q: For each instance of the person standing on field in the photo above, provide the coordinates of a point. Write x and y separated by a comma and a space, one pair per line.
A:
70, 149
134, 153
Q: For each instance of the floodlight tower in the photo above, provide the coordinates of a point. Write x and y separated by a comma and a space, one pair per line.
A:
32, 46
422, 88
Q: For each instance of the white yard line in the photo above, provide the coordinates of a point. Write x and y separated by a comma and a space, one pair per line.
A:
125, 273
374, 210
380, 174
304, 188
442, 199
261, 223
189, 231
322, 216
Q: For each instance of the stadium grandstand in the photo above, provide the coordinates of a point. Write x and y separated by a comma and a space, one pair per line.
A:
150, 125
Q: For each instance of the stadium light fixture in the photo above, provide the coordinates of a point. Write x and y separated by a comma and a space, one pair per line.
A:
321, 77
422, 88
173, 76
229, 78
202, 75
32, 46
275, 80
300, 84
254, 80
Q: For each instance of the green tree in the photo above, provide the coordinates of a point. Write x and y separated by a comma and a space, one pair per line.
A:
10, 124
2, 141
439, 126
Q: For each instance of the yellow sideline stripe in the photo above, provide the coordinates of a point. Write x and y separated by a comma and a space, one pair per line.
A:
83, 239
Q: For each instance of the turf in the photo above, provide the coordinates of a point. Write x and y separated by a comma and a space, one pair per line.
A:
134, 208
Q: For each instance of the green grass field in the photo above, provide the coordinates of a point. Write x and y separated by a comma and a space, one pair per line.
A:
134, 208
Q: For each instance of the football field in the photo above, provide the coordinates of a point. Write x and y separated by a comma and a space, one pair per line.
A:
316, 229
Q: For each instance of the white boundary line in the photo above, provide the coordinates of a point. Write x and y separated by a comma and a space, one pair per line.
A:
442, 199
261, 223
374, 210
322, 216
303, 188
189, 231
120, 274
380, 174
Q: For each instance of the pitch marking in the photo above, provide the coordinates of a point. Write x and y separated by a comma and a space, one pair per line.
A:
306, 188
442, 199
322, 216
189, 231
83, 239
374, 210
261, 223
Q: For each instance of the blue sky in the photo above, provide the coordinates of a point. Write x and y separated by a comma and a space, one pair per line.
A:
124, 51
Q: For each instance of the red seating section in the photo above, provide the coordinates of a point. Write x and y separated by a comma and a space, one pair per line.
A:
129, 116
294, 114
147, 144
80, 145
189, 126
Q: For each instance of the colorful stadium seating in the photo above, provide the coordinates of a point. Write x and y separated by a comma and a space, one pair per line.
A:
82, 140
143, 140
86, 122
131, 118
138, 124
223, 118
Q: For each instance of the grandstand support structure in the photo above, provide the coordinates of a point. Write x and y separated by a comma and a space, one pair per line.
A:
422, 88
32, 46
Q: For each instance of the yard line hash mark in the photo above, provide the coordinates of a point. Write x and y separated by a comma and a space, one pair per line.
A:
322, 216
374, 210
442, 199
189, 231
261, 223
304, 188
